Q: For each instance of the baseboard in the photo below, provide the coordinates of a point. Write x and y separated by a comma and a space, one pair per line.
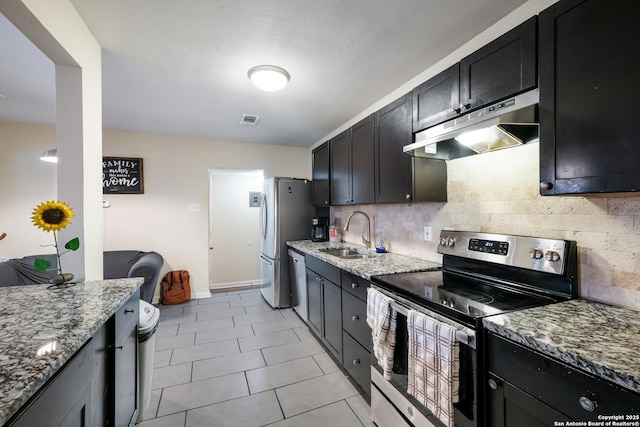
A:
196, 295
247, 284
219, 287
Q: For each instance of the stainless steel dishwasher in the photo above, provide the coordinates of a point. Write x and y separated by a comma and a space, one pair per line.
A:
298, 278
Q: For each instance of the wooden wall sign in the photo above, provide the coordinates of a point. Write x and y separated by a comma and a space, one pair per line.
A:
122, 175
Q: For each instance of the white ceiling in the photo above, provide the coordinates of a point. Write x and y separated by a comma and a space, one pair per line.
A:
179, 67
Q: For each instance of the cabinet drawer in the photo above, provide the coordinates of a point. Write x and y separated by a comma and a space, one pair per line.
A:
354, 319
324, 269
127, 317
557, 384
357, 362
355, 285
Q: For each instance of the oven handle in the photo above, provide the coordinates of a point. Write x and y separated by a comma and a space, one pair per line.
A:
464, 335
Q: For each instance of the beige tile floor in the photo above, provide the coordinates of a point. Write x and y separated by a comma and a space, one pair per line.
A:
232, 360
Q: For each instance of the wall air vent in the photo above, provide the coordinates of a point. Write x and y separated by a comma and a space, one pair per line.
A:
248, 119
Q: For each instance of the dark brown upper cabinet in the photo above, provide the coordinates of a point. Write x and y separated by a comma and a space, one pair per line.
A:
588, 97
503, 68
437, 100
393, 167
400, 177
320, 186
352, 164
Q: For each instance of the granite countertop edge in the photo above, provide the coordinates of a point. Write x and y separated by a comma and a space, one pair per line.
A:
16, 392
592, 337
377, 264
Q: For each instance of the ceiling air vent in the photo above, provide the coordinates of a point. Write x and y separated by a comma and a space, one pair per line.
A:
248, 119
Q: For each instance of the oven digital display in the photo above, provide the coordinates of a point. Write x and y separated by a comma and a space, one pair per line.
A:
489, 246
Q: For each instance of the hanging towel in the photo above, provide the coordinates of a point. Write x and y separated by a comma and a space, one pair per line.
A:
382, 320
433, 365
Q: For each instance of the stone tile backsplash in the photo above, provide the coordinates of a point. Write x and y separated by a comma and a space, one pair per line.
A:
498, 193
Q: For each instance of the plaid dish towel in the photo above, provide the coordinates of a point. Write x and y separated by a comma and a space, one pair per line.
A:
382, 320
433, 365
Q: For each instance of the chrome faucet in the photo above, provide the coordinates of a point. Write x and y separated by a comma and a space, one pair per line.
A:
365, 240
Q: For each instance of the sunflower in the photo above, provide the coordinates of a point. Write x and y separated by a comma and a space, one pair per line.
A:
52, 216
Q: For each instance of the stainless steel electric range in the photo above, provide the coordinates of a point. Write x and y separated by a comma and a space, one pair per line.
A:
482, 274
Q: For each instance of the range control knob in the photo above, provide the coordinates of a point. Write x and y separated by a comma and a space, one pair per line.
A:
536, 253
451, 243
443, 241
552, 256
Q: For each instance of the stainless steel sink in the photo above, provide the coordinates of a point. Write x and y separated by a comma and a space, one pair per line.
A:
346, 253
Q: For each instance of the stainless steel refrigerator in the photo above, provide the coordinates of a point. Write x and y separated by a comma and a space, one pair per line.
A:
285, 214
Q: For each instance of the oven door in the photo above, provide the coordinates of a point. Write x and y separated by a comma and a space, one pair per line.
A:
389, 396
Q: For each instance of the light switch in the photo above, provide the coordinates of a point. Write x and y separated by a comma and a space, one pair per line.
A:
254, 199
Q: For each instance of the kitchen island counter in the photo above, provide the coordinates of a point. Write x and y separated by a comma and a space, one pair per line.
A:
596, 338
42, 329
376, 264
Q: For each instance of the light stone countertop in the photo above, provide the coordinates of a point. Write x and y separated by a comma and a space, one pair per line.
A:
387, 263
33, 317
600, 339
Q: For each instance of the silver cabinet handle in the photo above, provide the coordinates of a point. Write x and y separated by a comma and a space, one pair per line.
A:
355, 318
493, 385
588, 404
356, 361
546, 185
354, 285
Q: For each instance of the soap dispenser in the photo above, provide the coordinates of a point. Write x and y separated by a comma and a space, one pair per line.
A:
380, 245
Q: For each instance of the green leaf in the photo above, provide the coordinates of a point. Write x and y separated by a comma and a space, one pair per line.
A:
41, 264
73, 244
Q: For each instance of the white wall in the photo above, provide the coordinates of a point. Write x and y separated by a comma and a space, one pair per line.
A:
176, 173
234, 228
25, 182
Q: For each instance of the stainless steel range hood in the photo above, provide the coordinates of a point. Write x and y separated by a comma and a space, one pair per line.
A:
504, 124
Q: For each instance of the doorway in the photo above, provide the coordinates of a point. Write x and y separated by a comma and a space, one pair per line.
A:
234, 228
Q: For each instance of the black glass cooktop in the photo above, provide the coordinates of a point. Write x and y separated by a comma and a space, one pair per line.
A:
470, 296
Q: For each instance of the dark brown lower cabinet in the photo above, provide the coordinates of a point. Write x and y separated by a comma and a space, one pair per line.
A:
509, 406
324, 304
529, 389
98, 386
66, 399
332, 317
337, 316
125, 363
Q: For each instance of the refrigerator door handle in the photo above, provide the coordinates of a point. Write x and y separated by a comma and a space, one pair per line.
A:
265, 260
263, 217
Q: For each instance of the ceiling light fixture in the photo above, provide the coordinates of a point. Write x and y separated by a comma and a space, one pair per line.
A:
268, 77
50, 156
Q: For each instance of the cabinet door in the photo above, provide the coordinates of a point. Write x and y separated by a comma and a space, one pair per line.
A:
588, 111
429, 180
357, 362
437, 100
393, 167
332, 317
67, 399
320, 184
502, 68
340, 154
125, 359
354, 320
362, 161
509, 406
314, 302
